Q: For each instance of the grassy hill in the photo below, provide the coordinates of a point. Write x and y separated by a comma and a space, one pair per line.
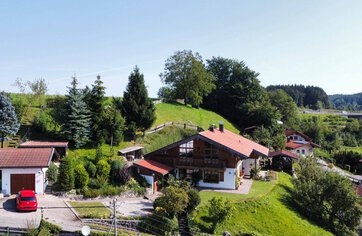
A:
197, 116
263, 214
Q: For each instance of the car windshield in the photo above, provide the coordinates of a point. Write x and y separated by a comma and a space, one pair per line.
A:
28, 199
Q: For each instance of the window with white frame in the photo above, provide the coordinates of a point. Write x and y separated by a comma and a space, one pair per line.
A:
186, 149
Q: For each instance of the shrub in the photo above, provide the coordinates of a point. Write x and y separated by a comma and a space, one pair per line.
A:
100, 181
220, 209
54, 229
135, 187
52, 172
109, 190
194, 199
123, 175
91, 169
116, 166
81, 176
103, 168
174, 200
91, 193
66, 174
330, 165
151, 225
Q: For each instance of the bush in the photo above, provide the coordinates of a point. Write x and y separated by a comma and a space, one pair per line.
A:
174, 201
109, 190
54, 229
66, 174
91, 193
135, 187
220, 209
116, 166
103, 168
52, 172
151, 225
330, 165
91, 169
194, 199
81, 176
100, 181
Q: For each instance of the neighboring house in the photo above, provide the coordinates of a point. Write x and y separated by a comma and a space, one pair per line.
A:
60, 148
299, 143
24, 168
283, 160
217, 156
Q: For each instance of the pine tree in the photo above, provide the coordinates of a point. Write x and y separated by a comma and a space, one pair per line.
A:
137, 108
77, 123
95, 104
9, 124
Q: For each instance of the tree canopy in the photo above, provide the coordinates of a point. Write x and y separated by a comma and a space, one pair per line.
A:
77, 123
137, 108
9, 124
187, 77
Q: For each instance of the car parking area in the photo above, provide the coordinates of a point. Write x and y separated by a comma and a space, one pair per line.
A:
55, 211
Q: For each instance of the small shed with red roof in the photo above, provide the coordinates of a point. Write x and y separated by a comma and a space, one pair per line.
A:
24, 168
283, 160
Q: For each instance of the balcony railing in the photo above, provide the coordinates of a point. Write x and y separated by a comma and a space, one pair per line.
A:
199, 163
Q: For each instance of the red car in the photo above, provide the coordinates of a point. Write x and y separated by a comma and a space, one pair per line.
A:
26, 201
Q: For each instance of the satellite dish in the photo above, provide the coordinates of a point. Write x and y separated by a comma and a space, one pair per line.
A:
86, 230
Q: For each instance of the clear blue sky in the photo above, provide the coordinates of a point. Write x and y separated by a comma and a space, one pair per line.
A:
303, 42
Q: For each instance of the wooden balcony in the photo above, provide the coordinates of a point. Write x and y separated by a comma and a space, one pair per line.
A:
190, 163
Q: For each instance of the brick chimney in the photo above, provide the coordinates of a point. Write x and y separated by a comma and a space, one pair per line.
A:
221, 126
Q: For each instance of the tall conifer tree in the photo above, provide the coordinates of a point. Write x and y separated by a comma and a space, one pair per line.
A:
9, 124
77, 122
137, 108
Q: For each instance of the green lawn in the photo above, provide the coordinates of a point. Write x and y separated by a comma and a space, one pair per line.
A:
185, 114
258, 189
90, 209
268, 215
355, 149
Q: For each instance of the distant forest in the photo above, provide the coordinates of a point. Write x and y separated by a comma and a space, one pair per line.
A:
347, 102
305, 96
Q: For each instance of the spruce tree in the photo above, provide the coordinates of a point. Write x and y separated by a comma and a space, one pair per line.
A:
77, 123
9, 124
137, 108
95, 104
66, 174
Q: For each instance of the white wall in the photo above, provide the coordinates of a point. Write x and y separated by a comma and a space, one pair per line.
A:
39, 178
308, 149
228, 183
249, 164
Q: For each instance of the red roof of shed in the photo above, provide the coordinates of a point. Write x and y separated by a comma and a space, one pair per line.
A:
297, 144
235, 142
43, 144
154, 166
25, 157
283, 153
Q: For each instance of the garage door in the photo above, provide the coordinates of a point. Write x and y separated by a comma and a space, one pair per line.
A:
22, 181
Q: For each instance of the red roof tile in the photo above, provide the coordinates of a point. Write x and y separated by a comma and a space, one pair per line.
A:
25, 157
283, 153
297, 144
235, 142
44, 144
154, 166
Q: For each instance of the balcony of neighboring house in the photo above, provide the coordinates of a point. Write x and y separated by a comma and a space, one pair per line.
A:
190, 163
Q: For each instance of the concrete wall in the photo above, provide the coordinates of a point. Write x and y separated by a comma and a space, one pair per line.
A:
249, 164
228, 183
39, 178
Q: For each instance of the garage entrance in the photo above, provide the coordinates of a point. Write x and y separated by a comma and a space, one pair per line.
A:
22, 181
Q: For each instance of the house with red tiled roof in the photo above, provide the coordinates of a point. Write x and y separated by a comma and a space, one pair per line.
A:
299, 143
24, 168
216, 158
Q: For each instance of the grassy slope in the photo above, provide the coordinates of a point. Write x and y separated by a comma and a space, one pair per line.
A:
269, 215
86, 209
177, 112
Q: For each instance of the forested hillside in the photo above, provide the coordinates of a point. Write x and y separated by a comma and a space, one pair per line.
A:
307, 96
347, 102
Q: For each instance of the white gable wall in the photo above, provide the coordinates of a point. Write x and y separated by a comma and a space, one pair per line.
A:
228, 183
39, 178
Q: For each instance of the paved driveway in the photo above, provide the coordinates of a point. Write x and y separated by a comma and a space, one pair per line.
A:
55, 211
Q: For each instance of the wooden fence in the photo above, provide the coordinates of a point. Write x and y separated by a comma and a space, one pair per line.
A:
172, 123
